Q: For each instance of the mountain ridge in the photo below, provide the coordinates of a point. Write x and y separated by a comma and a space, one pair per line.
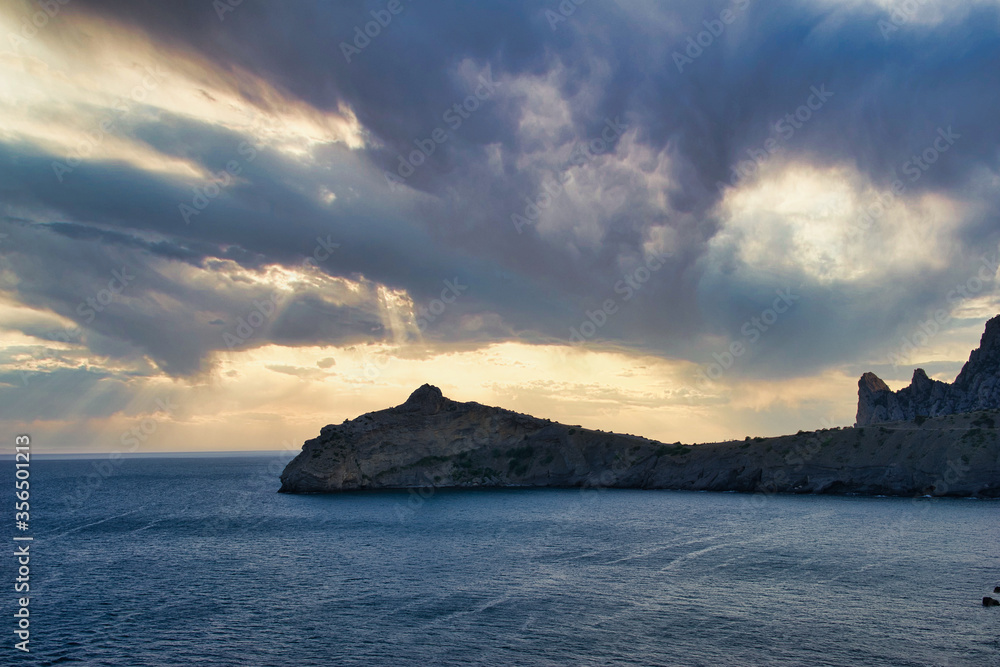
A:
433, 441
977, 387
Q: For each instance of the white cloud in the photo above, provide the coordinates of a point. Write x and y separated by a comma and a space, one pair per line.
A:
811, 221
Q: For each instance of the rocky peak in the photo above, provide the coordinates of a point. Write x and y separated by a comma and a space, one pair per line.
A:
427, 399
920, 380
991, 337
871, 384
984, 359
872, 395
977, 387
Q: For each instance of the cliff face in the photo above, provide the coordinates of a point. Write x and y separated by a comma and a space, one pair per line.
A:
431, 441
977, 387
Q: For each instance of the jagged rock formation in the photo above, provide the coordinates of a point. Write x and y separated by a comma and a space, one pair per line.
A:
977, 387
432, 441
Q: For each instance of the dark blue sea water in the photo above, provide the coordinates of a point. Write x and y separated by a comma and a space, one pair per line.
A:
199, 561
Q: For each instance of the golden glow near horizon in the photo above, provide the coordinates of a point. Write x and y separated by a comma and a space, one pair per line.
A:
260, 398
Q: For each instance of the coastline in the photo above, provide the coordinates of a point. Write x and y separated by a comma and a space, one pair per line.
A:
431, 442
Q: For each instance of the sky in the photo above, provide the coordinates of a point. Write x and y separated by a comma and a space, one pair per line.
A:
226, 224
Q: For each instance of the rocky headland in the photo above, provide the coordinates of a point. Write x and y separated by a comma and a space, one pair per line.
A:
931, 438
432, 441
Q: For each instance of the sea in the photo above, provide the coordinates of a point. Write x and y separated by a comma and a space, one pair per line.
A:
199, 561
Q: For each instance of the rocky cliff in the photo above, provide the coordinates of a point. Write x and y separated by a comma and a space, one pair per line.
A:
431, 441
977, 387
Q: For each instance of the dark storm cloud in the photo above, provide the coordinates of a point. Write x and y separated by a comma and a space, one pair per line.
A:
891, 96
63, 264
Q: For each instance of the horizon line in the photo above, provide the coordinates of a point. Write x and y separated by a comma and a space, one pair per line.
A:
64, 456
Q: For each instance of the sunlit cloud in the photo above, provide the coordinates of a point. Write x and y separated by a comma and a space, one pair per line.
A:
831, 225
80, 92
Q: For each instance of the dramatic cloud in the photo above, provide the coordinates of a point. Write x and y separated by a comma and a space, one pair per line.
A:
187, 184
